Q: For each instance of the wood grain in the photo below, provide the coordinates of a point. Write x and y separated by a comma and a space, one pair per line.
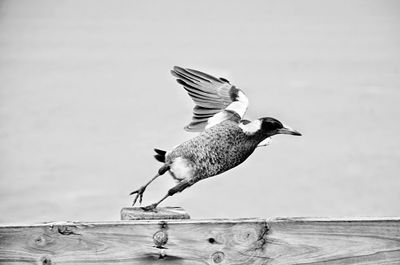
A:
137, 213
323, 241
222, 241
131, 242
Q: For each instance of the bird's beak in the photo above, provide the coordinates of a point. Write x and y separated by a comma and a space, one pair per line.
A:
288, 130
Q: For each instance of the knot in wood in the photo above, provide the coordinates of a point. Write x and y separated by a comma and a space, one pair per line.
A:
160, 238
245, 236
40, 240
163, 225
65, 230
218, 257
45, 260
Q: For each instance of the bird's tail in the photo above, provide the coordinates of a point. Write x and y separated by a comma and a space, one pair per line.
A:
160, 155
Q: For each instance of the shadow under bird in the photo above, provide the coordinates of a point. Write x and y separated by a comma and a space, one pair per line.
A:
226, 139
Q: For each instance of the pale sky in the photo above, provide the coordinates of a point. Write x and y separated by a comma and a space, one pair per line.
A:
86, 95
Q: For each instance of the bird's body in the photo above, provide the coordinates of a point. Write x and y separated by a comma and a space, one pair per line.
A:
214, 151
226, 139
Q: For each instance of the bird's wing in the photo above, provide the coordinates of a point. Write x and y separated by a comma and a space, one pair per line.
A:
215, 98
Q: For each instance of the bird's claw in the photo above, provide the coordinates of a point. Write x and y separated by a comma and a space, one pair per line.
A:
150, 207
139, 195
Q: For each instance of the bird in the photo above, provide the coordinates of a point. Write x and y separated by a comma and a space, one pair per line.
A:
225, 140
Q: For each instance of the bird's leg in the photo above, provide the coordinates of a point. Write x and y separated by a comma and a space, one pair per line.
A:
151, 207
178, 188
139, 192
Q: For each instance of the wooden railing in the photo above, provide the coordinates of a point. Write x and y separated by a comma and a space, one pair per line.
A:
219, 241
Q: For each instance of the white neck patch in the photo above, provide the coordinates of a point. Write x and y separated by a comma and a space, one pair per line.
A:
251, 128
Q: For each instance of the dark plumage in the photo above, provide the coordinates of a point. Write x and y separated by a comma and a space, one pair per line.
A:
160, 155
226, 139
215, 150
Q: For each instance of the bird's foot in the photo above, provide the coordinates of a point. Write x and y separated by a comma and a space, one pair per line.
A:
139, 195
150, 207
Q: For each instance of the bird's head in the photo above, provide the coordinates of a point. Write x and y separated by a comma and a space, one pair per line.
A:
270, 126
266, 127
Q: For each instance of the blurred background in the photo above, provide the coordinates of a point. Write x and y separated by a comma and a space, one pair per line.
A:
86, 93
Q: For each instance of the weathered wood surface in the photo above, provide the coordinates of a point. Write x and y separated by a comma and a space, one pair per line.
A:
236, 241
322, 241
137, 213
132, 242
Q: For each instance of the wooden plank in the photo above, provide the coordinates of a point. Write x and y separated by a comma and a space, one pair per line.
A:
317, 241
236, 241
137, 213
135, 242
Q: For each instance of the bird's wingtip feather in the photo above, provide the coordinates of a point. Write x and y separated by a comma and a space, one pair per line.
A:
178, 68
